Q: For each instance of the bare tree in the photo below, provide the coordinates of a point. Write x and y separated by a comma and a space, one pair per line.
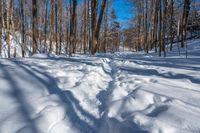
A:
22, 27
186, 10
96, 25
34, 23
1, 25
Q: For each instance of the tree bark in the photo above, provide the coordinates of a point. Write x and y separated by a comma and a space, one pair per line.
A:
1, 26
22, 28
56, 26
8, 26
171, 24
45, 25
34, 23
98, 26
51, 26
60, 30
186, 10
160, 28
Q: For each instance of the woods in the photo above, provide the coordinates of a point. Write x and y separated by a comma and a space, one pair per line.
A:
160, 23
90, 26
99, 66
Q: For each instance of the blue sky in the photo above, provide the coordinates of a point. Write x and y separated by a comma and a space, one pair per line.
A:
123, 10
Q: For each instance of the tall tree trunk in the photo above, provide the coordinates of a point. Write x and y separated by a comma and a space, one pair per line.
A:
171, 23
146, 28
51, 26
186, 10
67, 34
1, 26
34, 23
73, 22
85, 26
160, 28
22, 28
12, 28
8, 27
2, 14
98, 27
155, 36
60, 30
93, 23
56, 26
150, 25
89, 25
75, 25
165, 26
45, 25
105, 28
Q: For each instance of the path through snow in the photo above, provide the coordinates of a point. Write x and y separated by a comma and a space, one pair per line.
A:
106, 94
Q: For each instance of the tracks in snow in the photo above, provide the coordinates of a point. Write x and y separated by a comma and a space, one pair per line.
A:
101, 94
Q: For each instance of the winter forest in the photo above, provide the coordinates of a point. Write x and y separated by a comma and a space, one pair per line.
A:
99, 66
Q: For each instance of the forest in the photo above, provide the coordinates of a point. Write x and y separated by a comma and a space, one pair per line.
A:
99, 66
91, 26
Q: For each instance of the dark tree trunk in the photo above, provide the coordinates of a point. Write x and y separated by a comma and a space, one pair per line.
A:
34, 21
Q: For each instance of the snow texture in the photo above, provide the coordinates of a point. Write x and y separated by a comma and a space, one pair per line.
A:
106, 93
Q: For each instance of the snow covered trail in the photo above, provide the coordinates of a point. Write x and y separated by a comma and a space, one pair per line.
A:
57, 94
156, 95
107, 94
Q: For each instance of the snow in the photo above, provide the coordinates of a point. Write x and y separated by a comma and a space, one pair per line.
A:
107, 93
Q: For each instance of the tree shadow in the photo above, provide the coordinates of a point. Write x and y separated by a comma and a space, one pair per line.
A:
179, 63
151, 72
17, 94
73, 108
112, 125
71, 103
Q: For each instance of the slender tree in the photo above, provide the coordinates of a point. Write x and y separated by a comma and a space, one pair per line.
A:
186, 10
1, 26
8, 3
22, 27
60, 24
34, 23
171, 23
73, 22
46, 23
96, 27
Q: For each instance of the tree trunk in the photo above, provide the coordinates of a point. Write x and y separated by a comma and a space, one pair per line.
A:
146, 28
85, 26
51, 26
186, 10
8, 26
105, 28
22, 28
165, 26
34, 23
93, 24
60, 30
160, 29
155, 36
45, 25
171, 24
56, 26
1, 26
73, 22
98, 27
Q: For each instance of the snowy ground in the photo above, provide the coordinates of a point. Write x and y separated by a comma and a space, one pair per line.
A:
113, 93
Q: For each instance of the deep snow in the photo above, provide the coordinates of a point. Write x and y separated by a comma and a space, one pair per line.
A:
111, 93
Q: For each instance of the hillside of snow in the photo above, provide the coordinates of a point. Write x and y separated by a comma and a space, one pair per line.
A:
106, 93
